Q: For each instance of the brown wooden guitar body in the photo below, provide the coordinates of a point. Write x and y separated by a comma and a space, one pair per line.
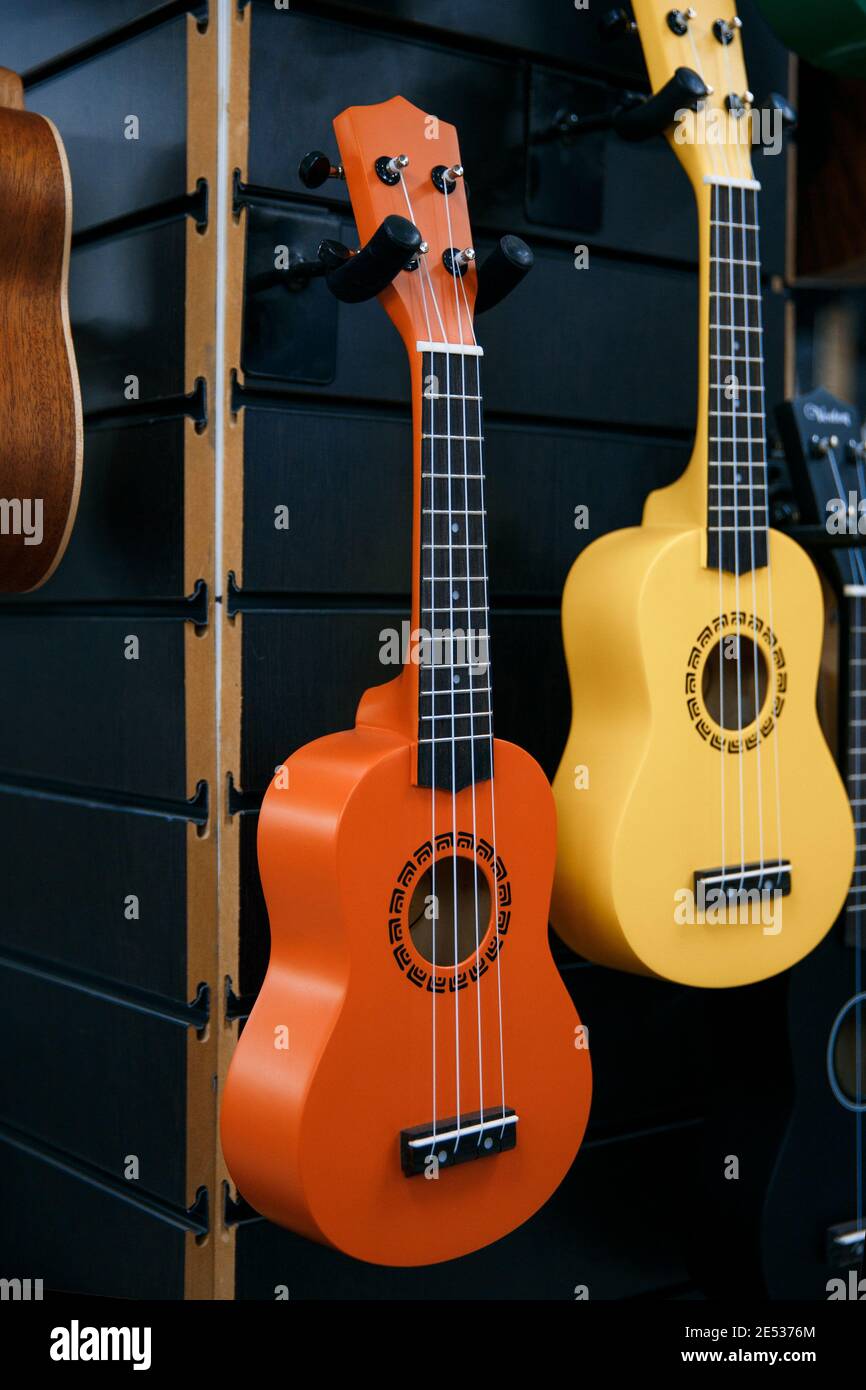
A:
40, 407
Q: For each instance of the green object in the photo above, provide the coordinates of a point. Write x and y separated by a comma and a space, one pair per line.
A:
829, 33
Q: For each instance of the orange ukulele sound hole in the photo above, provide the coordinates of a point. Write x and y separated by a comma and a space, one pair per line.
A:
729, 686
460, 883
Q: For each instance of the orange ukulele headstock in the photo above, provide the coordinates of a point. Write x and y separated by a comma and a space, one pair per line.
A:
427, 303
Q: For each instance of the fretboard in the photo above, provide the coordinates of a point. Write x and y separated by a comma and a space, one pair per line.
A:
455, 698
737, 474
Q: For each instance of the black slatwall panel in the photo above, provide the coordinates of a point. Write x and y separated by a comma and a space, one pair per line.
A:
127, 543
132, 1249
93, 101
93, 781
126, 299
589, 381
47, 31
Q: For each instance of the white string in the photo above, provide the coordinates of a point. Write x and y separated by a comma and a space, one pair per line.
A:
761, 446
735, 473
459, 277
435, 900
718, 434
424, 271
731, 121
745, 170
776, 753
718, 158
454, 679
483, 507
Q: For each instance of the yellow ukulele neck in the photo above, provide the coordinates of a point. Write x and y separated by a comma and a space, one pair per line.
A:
726, 472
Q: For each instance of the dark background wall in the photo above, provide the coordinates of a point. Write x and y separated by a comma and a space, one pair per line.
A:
590, 380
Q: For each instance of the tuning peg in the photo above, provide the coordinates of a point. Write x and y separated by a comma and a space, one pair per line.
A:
855, 451
445, 178
353, 276
457, 262
316, 168
738, 105
821, 446
509, 262
616, 24
725, 29
679, 21
390, 167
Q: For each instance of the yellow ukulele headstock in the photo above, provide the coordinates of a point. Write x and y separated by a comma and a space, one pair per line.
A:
714, 141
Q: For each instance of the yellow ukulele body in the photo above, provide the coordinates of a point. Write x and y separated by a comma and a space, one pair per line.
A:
640, 788
705, 835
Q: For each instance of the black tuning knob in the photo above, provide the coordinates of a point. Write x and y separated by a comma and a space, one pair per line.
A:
316, 168
509, 262
616, 24
685, 91
391, 248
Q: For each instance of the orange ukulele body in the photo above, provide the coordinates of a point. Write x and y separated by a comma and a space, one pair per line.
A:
311, 1132
358, 1040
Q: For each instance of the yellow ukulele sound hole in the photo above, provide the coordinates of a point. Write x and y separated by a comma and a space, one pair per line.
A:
735, 682
432, 910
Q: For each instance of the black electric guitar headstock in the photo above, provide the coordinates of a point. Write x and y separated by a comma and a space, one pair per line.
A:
823, 439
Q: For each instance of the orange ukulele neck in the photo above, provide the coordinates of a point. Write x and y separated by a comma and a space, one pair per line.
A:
442, 700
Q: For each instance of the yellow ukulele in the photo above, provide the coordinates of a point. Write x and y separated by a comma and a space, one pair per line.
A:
704, 833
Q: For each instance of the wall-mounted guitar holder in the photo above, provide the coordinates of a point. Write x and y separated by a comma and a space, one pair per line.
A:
290, 313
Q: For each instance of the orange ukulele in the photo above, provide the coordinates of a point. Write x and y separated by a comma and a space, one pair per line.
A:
411, 1021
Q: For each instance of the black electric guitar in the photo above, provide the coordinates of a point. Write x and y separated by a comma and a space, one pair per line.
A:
813, 1214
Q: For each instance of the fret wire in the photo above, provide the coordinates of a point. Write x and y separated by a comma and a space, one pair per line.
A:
435, 477
482, 738
741, 386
